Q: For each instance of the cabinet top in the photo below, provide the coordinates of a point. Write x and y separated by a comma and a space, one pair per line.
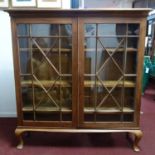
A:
123, 12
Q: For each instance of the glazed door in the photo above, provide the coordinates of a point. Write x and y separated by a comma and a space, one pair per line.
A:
46, 50
108, 59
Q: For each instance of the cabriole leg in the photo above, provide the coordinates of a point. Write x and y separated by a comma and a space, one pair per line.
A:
19, 133
138, 135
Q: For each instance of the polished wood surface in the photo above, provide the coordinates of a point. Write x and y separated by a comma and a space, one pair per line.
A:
85, 117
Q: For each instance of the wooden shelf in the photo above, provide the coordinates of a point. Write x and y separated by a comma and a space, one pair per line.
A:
46, 109
88, 110
56, 50
107, 110
110, 83
86, 49
49, 83
111, 49
46, 83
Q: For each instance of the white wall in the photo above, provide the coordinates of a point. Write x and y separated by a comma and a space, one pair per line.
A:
108, 3
7, 86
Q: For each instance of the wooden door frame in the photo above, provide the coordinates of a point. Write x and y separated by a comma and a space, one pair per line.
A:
52, 20
111, 125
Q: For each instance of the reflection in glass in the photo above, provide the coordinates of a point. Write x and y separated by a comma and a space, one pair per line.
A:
23, 29
25, 62
111, 43
106, 78
111, 29
50, 43
90, 29
90, 43
44, 30
47, 57
66, 30
101, 57
133, 29
24, 43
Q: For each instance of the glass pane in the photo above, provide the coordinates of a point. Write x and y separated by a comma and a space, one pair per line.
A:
43, 30
131, 59
110, 59
56, 98
132, 42
128, 118
23, 29
67, 117
89, 118
111, 43
101, 95
109, 71
66, 93
51, 60
90, 55
90, 44
47, 102
110, 102
108, 118
66, 30
111, 29
90, 62
25, 62
24, 43
66, 43
129, 97
47, 116
102, 56
66, 63
44, 70
133, 29
118, 58
27, 97
47, 44
90, 29
28, 115
89, 93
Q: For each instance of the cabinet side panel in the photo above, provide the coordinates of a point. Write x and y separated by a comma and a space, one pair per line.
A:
141, 49
16, 71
